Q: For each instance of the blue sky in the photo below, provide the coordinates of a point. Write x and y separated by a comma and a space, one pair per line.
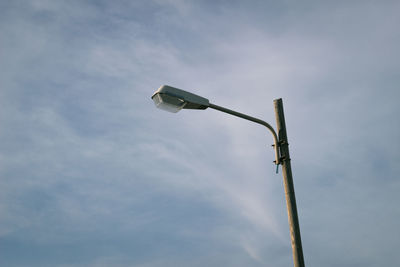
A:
92, 174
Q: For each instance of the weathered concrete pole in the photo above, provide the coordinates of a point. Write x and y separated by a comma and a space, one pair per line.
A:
288, 184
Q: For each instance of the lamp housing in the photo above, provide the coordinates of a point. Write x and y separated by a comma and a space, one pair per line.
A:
173, 99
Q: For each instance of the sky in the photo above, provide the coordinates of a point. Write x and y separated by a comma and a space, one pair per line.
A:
93, 174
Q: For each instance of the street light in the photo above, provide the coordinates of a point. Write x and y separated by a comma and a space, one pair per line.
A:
173, 99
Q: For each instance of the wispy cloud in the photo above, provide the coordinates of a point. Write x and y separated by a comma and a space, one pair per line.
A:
91, 174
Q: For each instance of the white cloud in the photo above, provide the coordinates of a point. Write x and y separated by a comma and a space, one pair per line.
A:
84, 153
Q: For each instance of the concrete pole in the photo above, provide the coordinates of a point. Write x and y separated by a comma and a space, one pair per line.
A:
288, 184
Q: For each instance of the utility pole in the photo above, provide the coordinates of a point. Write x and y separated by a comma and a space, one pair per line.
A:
288, 184
173, 99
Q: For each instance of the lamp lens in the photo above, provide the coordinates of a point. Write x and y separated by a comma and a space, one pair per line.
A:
168, 103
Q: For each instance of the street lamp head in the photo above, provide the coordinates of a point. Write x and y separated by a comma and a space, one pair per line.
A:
173, 99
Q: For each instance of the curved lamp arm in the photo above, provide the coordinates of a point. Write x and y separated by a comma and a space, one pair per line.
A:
246, 117
173, 99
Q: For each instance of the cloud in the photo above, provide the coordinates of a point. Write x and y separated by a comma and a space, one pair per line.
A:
93, 175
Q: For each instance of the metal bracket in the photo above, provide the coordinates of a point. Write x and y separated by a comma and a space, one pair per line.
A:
283, 142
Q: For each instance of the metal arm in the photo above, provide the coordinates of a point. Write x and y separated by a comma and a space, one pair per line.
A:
246, 117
